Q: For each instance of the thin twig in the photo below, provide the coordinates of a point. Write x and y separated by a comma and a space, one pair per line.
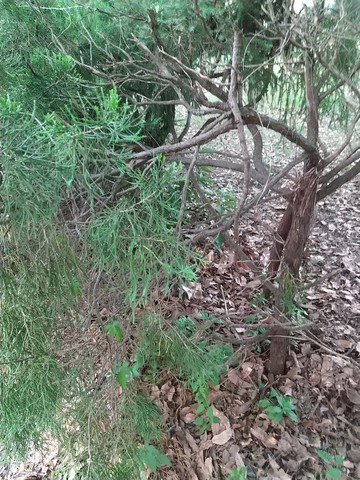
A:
184, 192
320, 280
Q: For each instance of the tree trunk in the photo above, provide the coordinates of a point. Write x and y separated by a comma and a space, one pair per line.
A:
302, 208
277, 248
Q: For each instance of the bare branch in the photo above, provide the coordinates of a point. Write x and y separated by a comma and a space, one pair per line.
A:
234, 105
184, 191
311, 102
340, 76
340, 181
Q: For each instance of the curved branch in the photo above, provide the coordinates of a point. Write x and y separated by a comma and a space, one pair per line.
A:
260, 167
191, 142
345, 163
339, 182
252, 117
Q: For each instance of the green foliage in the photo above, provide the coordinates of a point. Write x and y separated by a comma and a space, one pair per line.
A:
333, 471
76, 219
186, 325
48, 162
35, 300
278, 406
198, 364
113, 329
205, 414
238, 473
135, 237
153, 458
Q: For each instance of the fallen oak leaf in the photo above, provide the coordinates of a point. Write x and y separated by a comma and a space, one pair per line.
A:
223, 437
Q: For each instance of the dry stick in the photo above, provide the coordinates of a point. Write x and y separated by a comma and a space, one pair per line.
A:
333, 156
259, 165
339, 84
184, 192
186, 127
234, 105
340, 76
227, 222
320, 280
345, 163
339, 181
237, 167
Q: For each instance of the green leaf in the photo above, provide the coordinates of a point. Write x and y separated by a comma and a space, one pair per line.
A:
324, 455
264, 403
113, 329
200, 409
339, 459
209, 412
238, 473
199, 421
292, 415
219, 241
274, 409
74, 287
333, 473
153, 458
123, 373
276, 417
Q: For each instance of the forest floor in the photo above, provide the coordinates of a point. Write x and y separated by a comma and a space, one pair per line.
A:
323, 367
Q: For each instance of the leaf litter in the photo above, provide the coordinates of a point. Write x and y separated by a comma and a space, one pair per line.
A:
323, 374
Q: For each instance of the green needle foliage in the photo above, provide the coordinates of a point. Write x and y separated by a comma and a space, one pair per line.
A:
64, 148
80, 223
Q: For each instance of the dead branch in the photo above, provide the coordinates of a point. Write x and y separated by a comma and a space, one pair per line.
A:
345, 163
234, 105
339, 181
184, 191
321, 279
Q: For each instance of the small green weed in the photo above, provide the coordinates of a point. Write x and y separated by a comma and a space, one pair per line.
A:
333, 470
208, 317
113, 329
238, 473
278, 406
259, 300
204, 410
153, 458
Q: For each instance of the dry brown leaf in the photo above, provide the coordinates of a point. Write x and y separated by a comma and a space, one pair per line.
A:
353, 396
224, 423
278, 471
191, 441
327, 375
284, 446
223, 437
267, 440
234, 376
345, 344
206, 445
187, 414
246, 369
209, 466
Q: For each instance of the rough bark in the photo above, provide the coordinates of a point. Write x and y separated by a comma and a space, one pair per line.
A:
303, 205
